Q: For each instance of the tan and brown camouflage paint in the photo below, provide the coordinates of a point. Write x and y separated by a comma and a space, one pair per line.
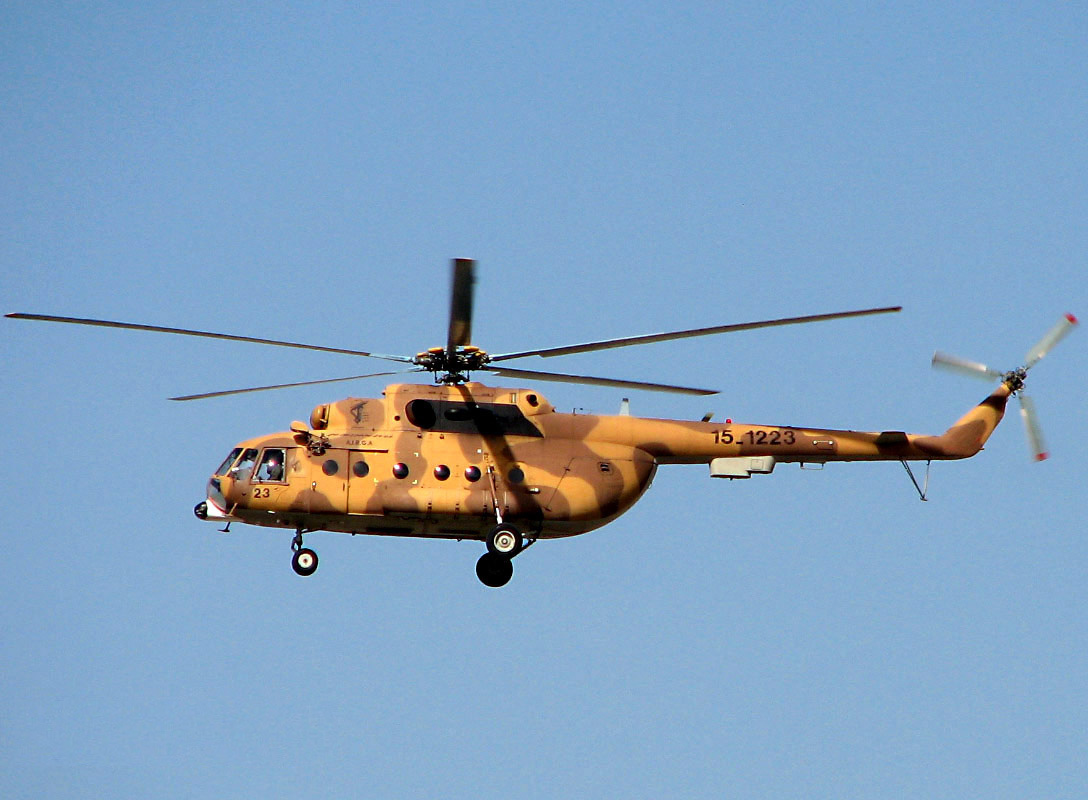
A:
549, 473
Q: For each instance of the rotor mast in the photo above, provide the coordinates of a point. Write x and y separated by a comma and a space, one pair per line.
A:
452, 363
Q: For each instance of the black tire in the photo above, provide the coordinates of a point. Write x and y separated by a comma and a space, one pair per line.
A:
304, 561
504, 540
494, 570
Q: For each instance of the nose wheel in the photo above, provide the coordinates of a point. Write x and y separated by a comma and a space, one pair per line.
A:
304, 560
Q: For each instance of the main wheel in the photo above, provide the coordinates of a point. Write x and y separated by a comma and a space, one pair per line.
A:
494, 570
504, 540
304, 561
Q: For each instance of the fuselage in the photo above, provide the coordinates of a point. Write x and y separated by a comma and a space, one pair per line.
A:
450, 460
442, 461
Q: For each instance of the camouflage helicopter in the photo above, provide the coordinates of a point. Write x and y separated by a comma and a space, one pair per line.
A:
461, 460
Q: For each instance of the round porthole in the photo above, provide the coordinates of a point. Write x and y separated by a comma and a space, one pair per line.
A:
400, 470
361, 469
516, 475
330, 467
442, 472
473, 473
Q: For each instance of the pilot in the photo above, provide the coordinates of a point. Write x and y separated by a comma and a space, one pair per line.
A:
273, 469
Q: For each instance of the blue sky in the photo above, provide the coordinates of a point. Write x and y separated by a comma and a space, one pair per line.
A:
306, 173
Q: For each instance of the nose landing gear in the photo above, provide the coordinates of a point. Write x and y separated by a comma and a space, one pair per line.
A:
304, 560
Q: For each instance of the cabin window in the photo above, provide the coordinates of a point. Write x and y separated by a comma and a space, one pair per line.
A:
330, 467
271, 468
442, 472
237, 451
400, 470
472, 474
516, 475
361, 469
245, 464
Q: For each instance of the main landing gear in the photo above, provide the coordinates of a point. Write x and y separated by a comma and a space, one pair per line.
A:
494, 568
304, 561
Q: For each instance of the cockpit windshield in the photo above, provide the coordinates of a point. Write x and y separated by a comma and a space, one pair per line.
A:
245, 464
237, 451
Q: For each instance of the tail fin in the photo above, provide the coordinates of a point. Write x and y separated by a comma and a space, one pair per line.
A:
967, 436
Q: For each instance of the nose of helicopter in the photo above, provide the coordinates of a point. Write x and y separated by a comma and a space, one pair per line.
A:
215, 507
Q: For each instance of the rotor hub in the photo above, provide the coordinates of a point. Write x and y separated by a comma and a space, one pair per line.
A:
452, 366
1014, 379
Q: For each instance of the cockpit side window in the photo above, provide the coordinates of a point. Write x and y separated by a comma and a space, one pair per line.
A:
237, 451
245, 464
271, 470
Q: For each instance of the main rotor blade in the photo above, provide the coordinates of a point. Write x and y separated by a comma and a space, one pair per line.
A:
132, 326
664, 337
206, 395
1053, 336
559, 377
464, 276
965, 367
1031, 425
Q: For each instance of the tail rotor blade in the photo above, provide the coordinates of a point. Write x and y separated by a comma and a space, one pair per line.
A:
1031, 425
464, 276
1053, 336
964, 367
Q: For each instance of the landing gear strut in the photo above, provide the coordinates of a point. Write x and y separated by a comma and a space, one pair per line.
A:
304, 561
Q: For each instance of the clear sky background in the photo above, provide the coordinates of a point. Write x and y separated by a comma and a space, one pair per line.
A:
306, 172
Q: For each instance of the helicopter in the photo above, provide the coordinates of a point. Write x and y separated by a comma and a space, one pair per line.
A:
457, 459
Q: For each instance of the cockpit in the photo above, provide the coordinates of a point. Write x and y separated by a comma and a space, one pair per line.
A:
243, 464
253, 465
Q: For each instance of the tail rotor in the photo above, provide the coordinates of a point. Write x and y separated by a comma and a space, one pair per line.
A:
1053, 336
1015, 379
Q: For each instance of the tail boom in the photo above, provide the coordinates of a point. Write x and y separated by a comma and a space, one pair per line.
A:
682, 442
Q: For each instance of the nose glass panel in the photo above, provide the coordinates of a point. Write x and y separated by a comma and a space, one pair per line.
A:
215, 494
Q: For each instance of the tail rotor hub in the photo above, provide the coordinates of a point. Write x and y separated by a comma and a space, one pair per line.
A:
1015, 379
